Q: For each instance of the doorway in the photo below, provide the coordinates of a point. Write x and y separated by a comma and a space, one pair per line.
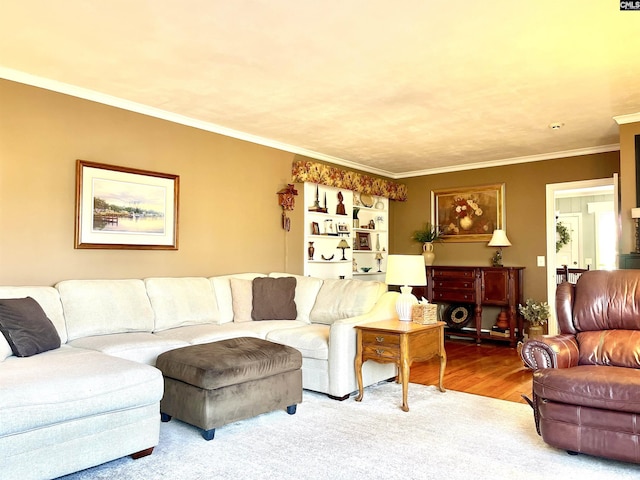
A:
588, 211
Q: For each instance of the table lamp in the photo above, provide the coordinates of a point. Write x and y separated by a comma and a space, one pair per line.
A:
405, 270
499, 239
379, 260
635, 214
343, 244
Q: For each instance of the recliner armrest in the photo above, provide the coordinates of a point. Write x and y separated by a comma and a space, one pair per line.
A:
558, 351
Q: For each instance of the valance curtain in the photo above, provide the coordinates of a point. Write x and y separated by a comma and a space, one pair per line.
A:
314, 172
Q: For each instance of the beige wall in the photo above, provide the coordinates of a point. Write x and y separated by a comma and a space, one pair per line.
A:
525, 197
229, 216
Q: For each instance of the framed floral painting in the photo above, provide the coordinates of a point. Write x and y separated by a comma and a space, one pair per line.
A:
468, 214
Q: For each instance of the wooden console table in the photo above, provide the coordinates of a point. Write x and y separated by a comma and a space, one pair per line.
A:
402, 343
478, 286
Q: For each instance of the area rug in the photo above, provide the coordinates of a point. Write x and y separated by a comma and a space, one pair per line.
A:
449, 435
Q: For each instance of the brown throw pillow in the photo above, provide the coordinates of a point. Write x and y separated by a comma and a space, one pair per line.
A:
273, 298
26, 327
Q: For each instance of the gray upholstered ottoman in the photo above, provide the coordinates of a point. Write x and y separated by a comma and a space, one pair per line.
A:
213, 384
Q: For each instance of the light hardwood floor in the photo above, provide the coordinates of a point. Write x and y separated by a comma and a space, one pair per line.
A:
490, 369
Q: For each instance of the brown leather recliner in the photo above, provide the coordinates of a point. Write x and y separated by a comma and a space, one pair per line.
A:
586, 383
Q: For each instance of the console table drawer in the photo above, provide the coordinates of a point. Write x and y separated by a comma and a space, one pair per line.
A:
453, 283
453, 296
457, 273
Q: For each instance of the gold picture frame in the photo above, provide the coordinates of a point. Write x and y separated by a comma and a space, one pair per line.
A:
468, 214
125, 208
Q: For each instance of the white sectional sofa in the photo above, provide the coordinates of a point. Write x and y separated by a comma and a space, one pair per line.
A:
96, 398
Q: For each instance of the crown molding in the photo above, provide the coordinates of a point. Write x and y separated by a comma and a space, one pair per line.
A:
91, 95
512, 161
630, 118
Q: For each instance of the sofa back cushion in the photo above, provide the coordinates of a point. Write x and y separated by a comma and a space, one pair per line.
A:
339, 299
177, 302
48, 298
224, 298
607, 300
101, 307
307, 289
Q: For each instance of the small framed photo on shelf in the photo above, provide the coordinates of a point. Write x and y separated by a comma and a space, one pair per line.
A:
363, 241
315, 228
343, 229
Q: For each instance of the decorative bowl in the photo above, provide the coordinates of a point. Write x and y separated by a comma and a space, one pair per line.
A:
365, 269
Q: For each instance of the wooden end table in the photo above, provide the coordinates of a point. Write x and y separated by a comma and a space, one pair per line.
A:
402, 343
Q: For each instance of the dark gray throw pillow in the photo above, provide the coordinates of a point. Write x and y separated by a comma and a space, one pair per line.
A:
274, 298
26, 327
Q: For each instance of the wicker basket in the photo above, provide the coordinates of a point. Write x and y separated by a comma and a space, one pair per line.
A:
425, 313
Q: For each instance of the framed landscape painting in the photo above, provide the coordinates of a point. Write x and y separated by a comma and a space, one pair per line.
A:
125, 208
468, 214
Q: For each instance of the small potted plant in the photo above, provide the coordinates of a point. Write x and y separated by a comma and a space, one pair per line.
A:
537, 314
427, 236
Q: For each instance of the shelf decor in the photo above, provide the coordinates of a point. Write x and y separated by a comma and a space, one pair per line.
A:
468, 214
315, 172
125, 208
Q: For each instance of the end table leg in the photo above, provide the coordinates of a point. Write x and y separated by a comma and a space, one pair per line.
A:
358, 366
443, 365
404, 375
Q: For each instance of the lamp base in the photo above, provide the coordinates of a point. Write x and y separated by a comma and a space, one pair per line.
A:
405, 303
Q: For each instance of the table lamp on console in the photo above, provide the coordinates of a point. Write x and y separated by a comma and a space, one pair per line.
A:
406, 270
499, 239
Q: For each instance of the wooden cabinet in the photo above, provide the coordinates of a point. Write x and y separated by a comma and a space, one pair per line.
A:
629, 261
479, 286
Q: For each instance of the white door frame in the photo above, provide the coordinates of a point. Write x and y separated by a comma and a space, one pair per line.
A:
552, 189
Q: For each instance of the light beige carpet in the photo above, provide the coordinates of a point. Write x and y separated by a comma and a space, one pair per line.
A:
448, 436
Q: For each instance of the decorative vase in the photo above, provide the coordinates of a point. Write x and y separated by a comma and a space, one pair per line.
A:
377, 242
466, 223
311, 250
427, 253
535, 331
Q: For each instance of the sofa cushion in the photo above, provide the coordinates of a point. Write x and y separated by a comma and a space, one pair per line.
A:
307, 289
274, 299
311, 340
26, 327
339, 299
101, 307
142, 347
177, 302
71, 383
222, 289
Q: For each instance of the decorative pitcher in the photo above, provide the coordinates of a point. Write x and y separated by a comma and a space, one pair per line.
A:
427, 253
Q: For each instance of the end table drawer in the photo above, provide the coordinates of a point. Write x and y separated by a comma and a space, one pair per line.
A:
382, 352
379, 338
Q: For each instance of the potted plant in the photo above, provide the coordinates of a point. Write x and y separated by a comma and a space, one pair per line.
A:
427, 236
537, 314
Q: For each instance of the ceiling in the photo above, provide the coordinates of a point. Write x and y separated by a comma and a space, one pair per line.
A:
401, 88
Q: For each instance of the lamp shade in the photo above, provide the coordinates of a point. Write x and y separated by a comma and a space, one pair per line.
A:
343, 244
499, 239
406, 270
635, 213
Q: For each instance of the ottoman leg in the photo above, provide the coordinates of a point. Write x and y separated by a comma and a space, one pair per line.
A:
291, 409
164, 417
208, 434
